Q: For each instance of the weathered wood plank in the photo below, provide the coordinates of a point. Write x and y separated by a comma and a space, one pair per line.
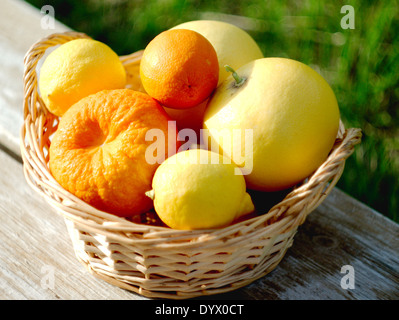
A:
36, 254
338, 234
19, 29
342, 231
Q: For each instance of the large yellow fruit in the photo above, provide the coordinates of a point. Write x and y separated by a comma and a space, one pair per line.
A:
292, 113
77, 69
233, 45
197, 189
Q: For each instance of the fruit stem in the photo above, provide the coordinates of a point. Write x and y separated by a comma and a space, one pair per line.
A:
150, 194
239, 80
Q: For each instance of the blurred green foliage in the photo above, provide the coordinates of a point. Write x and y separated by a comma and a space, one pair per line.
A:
360, 64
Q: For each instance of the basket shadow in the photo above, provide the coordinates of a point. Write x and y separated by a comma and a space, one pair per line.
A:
264, 201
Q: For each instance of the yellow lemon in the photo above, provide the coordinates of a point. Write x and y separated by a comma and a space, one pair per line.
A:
291, 113
199, 189
233, 45
77, 69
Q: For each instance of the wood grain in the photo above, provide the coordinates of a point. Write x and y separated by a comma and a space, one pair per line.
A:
342, 231
34, 243
20, 27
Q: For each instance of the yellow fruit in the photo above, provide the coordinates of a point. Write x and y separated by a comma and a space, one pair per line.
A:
233, 45
292, 112
198, 189
77, 69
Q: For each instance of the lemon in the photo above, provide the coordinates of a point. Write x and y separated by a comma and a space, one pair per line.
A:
233, 45
77, 69
199, 189
292, 113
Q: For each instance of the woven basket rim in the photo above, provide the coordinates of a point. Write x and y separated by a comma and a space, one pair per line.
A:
37, 174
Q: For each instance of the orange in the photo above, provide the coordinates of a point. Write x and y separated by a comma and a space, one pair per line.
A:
98, 152
179, 68
191, 118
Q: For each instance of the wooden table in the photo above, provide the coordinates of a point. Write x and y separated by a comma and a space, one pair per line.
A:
36, 255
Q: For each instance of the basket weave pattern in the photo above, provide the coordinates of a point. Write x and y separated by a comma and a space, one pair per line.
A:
151, 259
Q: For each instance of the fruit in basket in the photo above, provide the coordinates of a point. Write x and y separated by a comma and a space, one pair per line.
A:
234, 46
292, 112
199, 189
189, 119
179, 68
133, 80
77, 69
98, 152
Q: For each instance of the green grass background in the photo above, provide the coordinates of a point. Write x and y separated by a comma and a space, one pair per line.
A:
360, 64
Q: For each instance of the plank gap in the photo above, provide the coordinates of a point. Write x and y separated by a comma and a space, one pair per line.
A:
16, 156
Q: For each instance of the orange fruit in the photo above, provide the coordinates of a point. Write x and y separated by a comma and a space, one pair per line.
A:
98, 152
179, 68
191, 118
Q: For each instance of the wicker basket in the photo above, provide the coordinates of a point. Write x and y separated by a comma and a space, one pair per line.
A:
147, 257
